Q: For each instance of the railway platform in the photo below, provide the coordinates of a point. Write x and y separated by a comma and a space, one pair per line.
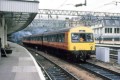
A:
20, 65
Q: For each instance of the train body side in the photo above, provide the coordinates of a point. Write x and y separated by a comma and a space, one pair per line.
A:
57, 43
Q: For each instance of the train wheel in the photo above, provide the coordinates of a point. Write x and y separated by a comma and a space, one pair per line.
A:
88, 56
84, 60
82, 57
74, 58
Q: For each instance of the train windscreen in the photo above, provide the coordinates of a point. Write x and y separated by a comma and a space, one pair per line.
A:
82, 37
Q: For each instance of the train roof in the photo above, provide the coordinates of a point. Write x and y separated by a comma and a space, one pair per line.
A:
62, 30
56, 31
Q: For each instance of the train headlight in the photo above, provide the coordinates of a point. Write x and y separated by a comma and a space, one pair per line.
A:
91, 47
74, 48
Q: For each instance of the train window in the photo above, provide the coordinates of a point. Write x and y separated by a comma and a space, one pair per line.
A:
48, 38
36, 38
82, 37
89, 37
55, 37
60, 38
32, 38
75, 37
45, 38
63, 37
52, 38
40, 38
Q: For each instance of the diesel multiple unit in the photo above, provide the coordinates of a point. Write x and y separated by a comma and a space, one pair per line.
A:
76, 43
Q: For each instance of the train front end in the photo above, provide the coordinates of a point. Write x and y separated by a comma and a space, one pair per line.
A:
81, 43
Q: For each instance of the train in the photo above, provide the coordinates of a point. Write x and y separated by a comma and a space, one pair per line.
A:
75, 43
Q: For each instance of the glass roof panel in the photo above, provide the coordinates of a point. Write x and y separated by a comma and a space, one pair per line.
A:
17, 20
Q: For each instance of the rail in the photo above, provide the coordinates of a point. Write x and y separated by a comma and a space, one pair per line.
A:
54, 71
100, 71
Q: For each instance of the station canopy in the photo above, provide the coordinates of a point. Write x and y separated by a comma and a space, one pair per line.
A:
17, 14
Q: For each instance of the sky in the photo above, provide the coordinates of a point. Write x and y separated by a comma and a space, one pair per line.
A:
92, 5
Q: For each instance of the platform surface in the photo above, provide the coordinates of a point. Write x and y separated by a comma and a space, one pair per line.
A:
19, 65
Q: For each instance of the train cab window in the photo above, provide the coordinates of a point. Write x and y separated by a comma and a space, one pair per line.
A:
82, 37
75, 37
89, 37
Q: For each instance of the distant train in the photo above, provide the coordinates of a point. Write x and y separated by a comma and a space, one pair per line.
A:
76, 43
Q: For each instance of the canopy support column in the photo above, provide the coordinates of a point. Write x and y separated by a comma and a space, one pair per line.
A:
2, 32
5, 36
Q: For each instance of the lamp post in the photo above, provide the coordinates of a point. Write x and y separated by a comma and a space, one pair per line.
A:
77, 5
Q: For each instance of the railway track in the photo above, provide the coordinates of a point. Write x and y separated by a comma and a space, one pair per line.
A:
100, 71
103, 73
51, 70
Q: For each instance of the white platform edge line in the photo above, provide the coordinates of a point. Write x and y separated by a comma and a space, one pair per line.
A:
36, 65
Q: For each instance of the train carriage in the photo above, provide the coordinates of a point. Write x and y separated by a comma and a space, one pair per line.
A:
76, 43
